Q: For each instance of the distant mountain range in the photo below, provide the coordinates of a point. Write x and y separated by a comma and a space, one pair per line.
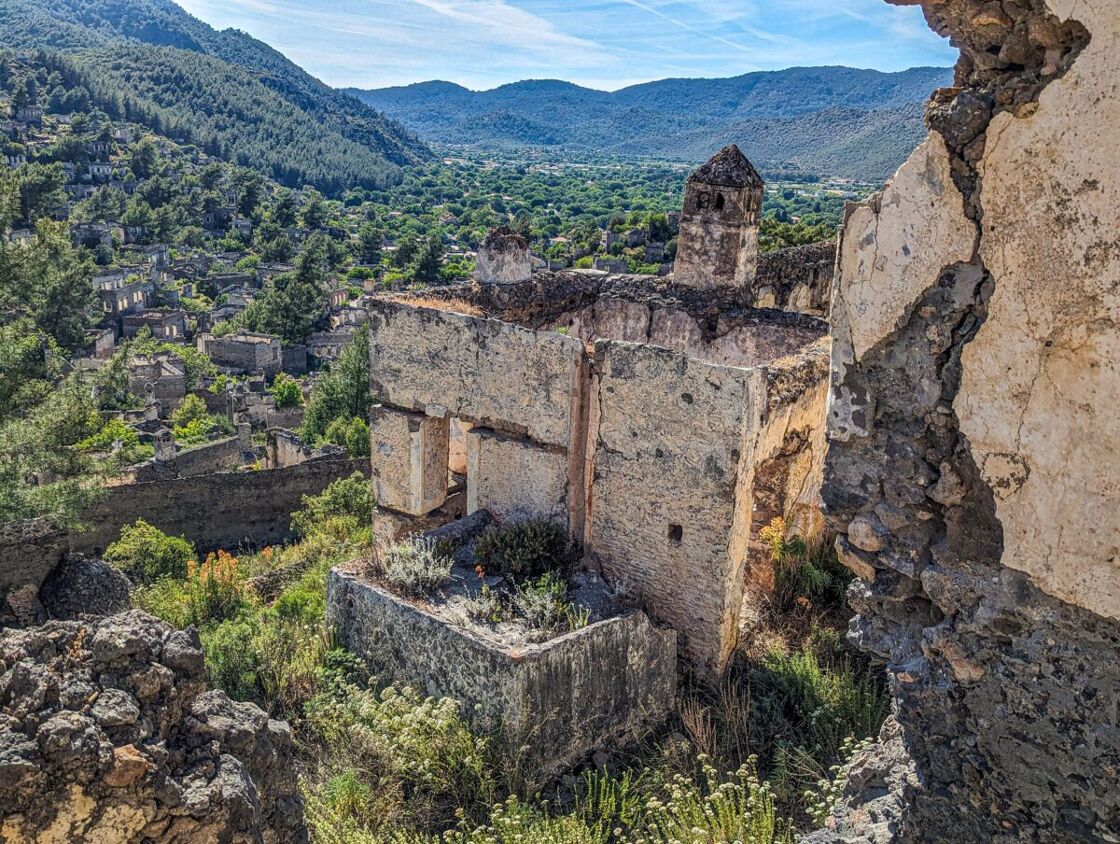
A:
834, 120
225, 91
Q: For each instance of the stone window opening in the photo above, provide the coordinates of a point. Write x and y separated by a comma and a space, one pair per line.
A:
719, 201
676, 534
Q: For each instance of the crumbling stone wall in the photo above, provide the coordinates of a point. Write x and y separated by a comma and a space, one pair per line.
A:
972, 465
108, 736
796, 279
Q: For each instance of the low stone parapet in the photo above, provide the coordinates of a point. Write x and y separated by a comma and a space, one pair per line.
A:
557, 701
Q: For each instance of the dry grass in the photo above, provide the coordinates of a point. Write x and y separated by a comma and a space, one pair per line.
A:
455, 306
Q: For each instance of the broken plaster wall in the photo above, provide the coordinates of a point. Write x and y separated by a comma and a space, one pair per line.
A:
972, 470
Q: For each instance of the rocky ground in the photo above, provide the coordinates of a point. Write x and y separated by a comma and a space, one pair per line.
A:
107, 734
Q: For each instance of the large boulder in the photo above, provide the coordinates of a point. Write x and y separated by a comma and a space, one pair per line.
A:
107, 734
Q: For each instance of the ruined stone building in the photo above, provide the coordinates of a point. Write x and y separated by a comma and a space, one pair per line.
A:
243, 352
663, 423
718, 245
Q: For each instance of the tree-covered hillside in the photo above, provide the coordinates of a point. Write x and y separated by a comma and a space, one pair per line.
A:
240, 98
841, 121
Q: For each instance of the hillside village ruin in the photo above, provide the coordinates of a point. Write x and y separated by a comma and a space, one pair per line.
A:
937, 392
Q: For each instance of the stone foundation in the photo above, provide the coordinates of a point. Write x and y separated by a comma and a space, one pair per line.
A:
558, 701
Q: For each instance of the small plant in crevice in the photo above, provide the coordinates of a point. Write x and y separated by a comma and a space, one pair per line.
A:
485, 607
821, 801
801, 572
542, 602
415, 566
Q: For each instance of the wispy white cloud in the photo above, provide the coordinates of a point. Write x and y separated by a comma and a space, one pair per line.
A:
600, 43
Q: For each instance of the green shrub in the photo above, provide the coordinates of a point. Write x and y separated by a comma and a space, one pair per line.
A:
233, 664
351, 433
541, 603
215, 591
146, 553
166, 599
415, 566
286, 391
525, 548
349, 498
417, 752
191, 409
799, 572
740, 808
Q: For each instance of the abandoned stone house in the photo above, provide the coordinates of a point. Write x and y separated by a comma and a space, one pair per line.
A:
124, 291
160, 377
664, 422
164, 324
243, 352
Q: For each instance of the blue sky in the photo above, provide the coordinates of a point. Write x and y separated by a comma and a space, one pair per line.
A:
605, 44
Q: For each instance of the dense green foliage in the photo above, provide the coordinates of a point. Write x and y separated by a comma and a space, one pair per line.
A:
150, 61
382, 764
347, 499
147, 554
836, 120
340, 396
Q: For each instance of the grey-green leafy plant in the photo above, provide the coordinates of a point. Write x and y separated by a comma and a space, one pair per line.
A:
415, 566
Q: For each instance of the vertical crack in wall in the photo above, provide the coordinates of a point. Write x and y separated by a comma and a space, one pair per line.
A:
913, 513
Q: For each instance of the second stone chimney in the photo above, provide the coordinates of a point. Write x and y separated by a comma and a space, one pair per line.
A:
503, 258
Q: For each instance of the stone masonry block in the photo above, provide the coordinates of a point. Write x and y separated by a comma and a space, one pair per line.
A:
483, 371
409, 460
511, 477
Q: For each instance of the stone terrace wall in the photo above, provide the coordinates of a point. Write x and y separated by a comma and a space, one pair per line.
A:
224, 510
563, 699
973, 467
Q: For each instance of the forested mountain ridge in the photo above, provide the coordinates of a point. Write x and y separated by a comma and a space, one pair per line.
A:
267, 112
837, 120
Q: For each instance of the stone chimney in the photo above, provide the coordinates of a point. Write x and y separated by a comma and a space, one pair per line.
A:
503, 258
165, 445
718, 244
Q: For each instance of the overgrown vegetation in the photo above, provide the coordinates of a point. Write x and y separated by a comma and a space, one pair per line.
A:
524, 548
414, 566
753, 758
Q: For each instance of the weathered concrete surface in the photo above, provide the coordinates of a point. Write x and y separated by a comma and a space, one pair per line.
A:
480, 370
796, 279
515, 478
971, 468
109, 737
663, 499
732, 341
1041, 381
410, 460
559, 701
889, 270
